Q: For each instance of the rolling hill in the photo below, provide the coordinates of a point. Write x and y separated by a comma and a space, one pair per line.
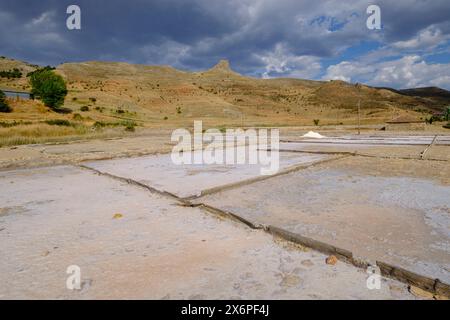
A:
165, 96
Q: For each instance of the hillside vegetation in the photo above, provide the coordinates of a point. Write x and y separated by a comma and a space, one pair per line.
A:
121, 96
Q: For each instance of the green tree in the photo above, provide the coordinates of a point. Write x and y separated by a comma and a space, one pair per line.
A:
4, 107
49, 87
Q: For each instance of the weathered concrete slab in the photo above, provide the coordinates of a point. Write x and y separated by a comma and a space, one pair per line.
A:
159, 172
51, 218
392, 211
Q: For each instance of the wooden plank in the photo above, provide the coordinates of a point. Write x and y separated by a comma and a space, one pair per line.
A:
341, 254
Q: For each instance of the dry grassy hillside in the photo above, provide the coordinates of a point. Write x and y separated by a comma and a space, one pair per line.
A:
21, 84
221, 96
114, 96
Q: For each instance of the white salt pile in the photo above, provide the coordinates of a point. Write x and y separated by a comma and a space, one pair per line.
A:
314, 135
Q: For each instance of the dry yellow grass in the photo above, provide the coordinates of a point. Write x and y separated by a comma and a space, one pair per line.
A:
37, 133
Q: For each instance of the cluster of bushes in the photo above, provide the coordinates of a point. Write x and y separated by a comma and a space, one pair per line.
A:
129, 125
5, 124
4, 106
123, 112
59, 122
434, 118
439, 117
49, 87
14, 73
47, 68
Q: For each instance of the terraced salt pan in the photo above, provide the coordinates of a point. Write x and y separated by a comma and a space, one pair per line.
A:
52, 218
379, 140
158, 171
310, 145
400, 220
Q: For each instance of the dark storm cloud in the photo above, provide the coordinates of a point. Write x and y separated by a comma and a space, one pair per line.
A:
403, 19
270, 38
111, 28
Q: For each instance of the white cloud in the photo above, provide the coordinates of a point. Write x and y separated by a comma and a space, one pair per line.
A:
281, 62
427, 38
168, 52
407, 72
44, 21
346, 71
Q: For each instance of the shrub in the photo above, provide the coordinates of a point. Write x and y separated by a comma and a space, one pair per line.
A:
129, 125
166, 118
84, 108
429, 120
435, 118
14, 123
14, 73
47, 68
77, 117
447, 126
49, 87
316, 122
100, 124
59, 122
4, 106
63, 110
93, 99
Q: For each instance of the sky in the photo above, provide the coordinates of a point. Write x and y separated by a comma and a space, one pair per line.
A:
320, 39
